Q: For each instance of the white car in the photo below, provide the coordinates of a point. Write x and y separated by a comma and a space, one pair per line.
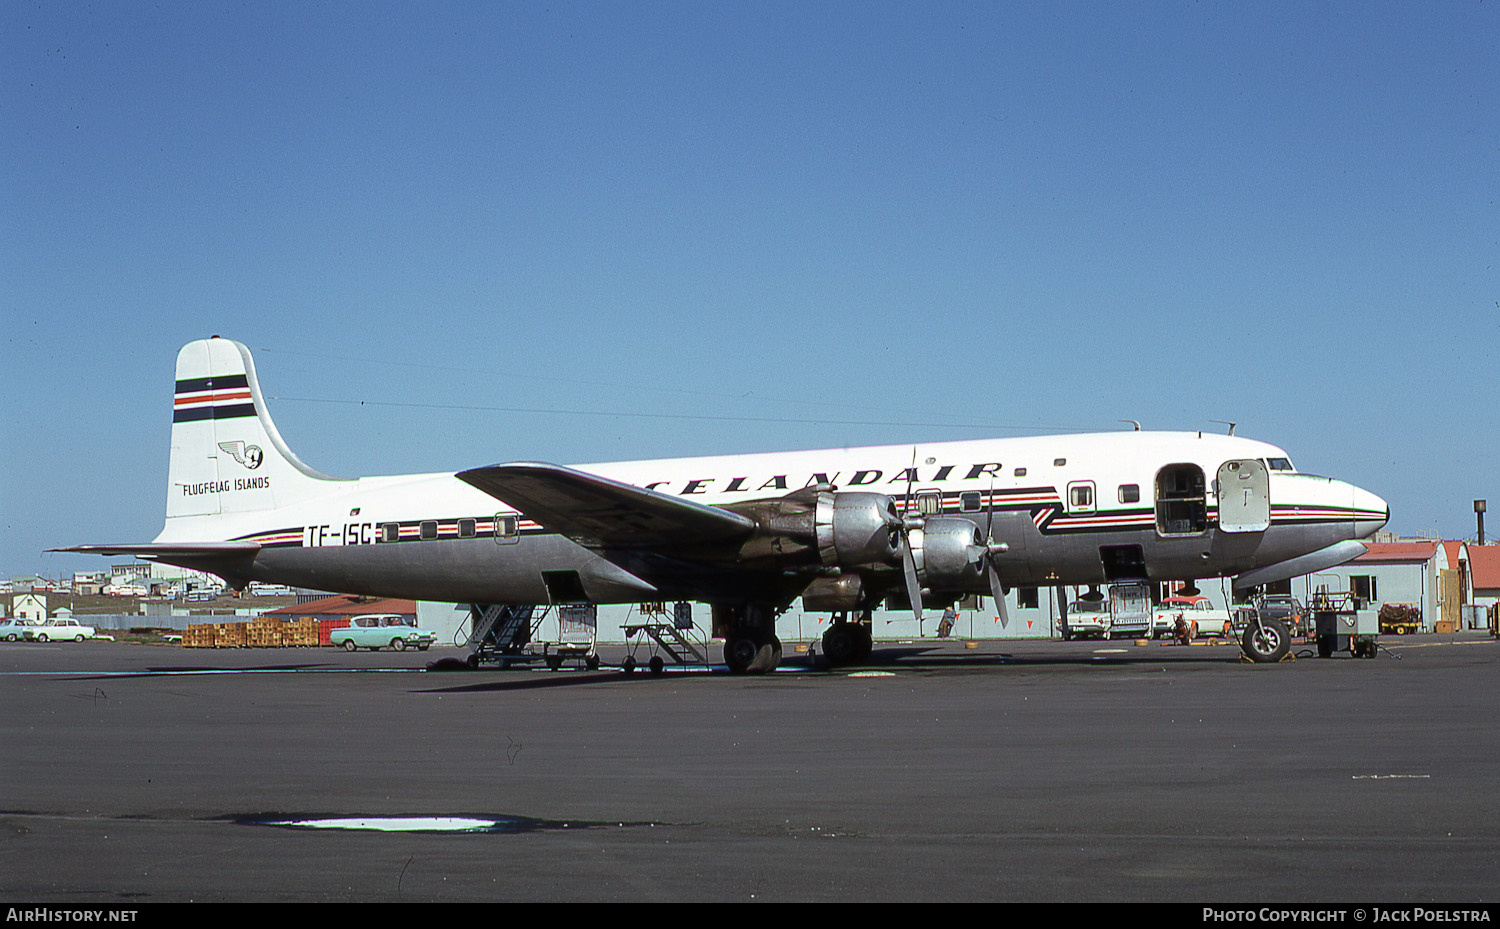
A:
1199, 613
14, 630
377, 630
60, 629
1087, 618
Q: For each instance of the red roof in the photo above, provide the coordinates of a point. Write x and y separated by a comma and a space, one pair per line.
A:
1398, 551
1484, 565
346, 605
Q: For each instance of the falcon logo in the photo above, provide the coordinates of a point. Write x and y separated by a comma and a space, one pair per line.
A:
248, 455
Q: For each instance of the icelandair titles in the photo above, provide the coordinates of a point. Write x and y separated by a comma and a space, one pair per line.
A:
858, 479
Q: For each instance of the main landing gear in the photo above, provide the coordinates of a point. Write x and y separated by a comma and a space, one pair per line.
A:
749, 633
848, 641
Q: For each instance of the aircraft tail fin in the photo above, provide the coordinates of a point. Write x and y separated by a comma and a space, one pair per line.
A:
227, 456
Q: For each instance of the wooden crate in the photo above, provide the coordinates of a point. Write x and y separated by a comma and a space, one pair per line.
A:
231, 635
198, 635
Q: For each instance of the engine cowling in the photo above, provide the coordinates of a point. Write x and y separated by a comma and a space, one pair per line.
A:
950, 553
857, 529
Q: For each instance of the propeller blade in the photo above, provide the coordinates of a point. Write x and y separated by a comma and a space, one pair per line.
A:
913, 585
998, 592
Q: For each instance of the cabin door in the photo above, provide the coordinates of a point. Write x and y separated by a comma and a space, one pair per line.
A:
1244, 496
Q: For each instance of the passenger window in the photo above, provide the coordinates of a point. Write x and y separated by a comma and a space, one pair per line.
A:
1081, 497
507, 529
390, 532
1130, 493
466, 528
429, 529
968, 501
929, 502
1020, 472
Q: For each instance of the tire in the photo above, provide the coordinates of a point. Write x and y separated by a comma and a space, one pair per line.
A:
628, 665
658, 666
740, 652
78, 638
349, 646
864, 644
43, 638
398, 645
840, 646
1266, 642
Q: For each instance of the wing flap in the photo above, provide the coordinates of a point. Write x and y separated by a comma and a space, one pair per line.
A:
588, 507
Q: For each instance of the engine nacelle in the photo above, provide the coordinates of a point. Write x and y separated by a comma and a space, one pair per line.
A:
834, 529
952, 553
834, 594
857, 529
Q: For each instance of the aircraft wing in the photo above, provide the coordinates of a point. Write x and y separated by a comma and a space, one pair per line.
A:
596, 509
168, 550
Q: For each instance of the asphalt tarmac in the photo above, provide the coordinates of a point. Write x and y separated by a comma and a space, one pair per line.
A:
1015, 771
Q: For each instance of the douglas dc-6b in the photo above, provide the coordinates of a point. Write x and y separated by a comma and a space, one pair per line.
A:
844, 529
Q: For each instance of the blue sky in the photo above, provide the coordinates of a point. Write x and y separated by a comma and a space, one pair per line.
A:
706, 228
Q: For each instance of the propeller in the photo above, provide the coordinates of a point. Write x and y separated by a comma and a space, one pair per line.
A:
991, 549
908, 559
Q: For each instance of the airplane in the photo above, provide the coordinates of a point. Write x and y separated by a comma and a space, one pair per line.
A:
844, 529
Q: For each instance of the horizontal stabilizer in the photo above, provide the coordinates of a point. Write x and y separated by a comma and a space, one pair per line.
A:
586, 506
1320, 560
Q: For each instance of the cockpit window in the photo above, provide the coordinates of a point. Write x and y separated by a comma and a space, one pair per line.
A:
1279, 464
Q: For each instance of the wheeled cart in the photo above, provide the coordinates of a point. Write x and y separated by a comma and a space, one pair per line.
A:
1339, 625
678, 639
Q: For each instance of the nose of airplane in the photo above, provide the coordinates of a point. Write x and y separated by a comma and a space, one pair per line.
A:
1370, 512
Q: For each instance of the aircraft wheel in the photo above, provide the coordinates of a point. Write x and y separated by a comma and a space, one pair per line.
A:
349, 646
1266, 642
749, 653
740, 653
840, 646
591, 662
864, 643
473, 662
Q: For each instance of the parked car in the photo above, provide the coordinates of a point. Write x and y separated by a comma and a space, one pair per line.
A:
14, 630
1087, 619
61, 629
379, 630
1286, 608
1198, 612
